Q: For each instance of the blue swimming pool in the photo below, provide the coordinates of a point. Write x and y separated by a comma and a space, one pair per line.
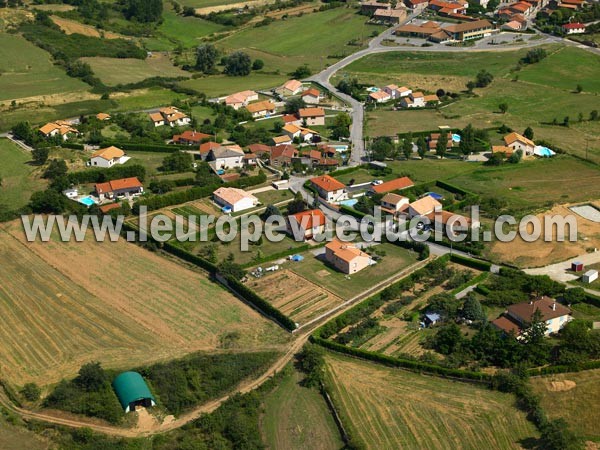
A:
87, 201
220, 172
544, 152
373, 89
350, 203
456, 138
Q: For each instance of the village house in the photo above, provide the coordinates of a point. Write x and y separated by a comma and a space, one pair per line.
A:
432, 141
291, 118
312, 116
513, 25
424, 206
370, 6
574, 28
431, 99
169, 116
413, 100
241, 99
503, 150
102, 117
122, 188
157, 119
519, 142
397, 92
59, 128
311, 96
307, 223
206, 147
281, 155
394, 203
379, 97
259, 149
282, 140
443, 7
518, 317
250, 159
450, 223
329, 189
416, 4
394, 185
390, 16
108, 157
229, 157
190, 138
261, 109
346, 257
234, 200
290, 87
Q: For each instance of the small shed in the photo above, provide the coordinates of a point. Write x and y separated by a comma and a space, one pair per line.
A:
132, 391
590, 276
577, 266
431, 319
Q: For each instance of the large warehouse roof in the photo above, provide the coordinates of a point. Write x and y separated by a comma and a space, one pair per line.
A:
131, 387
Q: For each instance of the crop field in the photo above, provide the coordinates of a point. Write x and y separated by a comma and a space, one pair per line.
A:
64, 304
304, 41
19, 178
315, 270
302, 302
569, 396
15, 436
388, 408
28, 72
129, 70
528, 101
297, 418
75, 27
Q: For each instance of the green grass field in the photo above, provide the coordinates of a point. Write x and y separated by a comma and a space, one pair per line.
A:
298, 418
220, 85
18, 436
27, 71
128, 70
569, 396
19, 178
541, 94
186, 31
386, 408
315, 270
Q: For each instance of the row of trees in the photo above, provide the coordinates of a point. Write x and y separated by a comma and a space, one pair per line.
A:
236, 64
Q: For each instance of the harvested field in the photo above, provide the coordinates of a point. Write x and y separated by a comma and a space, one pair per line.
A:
63, 304
573, 397
295, 296
74, 27
228, 6
386, 408
541, 253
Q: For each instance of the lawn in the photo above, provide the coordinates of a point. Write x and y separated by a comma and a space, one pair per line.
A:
528, 99
19, 178
84, 314
221, 85
573, 397
345, 286
386, 408
304, 40
361, 176
27, 71
129, 70
150, 160
296, 417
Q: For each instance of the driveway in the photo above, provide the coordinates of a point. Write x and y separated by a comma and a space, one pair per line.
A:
560, 271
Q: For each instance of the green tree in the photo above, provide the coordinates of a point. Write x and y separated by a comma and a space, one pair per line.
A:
448, 339
472, 309
442, 143
56, 168
271, 210
238, 64
574, 295
258, 64
297, 205
293, 105
229, 268
143, 10
503, 107
24, 132
92, 377
594, 115
177, 162
528, 133
278, 126
557, 436
301, 72
579, 88
566, 121
483, 78
470, 86
422, 146
40, 155
382, 148
467, 140
31, 392
311, 362
48, 202
206, 58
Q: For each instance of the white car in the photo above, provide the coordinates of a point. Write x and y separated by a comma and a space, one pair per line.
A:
376, 182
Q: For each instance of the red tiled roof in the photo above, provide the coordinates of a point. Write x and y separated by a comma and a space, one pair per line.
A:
115, 185
573, 26
327, 183
311, 112
548, 307
190, 136
259, 149
315, 218
109, 207
394, 185
505, 324
288, 151
208, 146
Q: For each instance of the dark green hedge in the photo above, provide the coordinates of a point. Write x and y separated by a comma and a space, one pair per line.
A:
261, 304
549, 370
102, 175
194, 259
352, 211
452, 188
158, 148
72, 145
473, 263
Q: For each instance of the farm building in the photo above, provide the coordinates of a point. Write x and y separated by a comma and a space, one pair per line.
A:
431, 319
132, 391
590, 276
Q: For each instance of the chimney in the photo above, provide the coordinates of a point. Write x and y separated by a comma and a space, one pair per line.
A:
554, 306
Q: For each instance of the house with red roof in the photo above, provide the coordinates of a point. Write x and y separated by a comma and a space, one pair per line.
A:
574, 28
329, 189
394, 185
306, 224
281, 155
190, 138
122, 188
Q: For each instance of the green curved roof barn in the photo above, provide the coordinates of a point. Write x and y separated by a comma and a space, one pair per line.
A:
132, 390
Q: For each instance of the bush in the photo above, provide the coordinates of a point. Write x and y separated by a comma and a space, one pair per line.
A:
31, 392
